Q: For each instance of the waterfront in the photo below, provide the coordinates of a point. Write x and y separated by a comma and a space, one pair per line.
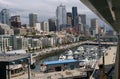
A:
56, 57
36, 74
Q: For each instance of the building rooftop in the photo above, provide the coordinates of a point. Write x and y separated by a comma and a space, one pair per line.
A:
8, 58
60, 62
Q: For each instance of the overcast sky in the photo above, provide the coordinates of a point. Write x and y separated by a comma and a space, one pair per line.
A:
44, 8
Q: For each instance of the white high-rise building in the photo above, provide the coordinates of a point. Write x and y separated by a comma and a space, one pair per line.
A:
38, 27
94, 27
45, 26
5, 16
61, 17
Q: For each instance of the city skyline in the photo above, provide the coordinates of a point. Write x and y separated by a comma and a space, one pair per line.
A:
37, 7
45, 9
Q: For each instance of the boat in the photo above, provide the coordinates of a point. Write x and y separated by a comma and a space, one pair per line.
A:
86, 56
70, 57
76, 55
69, 54
62, 57
80, 48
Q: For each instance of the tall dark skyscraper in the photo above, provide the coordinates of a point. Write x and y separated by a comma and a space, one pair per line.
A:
74, 15
16, 21
52, 24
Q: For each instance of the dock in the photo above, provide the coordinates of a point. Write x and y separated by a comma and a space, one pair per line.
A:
56, 75
110, 56
56, 50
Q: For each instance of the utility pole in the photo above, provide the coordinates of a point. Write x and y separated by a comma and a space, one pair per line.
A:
101, 54
99, 45
29, 71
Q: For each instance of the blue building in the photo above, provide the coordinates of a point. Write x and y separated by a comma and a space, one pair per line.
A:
52, 66
74, 15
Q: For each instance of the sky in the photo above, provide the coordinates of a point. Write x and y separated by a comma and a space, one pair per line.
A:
44, 8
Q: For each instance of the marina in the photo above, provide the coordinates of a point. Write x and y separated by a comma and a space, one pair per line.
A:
55, 67
83, 58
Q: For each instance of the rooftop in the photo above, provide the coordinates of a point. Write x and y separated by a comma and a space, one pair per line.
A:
60, 62
7, 58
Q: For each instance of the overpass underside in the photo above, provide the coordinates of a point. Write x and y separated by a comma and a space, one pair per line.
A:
109, 12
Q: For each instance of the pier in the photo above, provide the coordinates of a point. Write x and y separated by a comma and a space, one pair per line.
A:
110, 57
76, 73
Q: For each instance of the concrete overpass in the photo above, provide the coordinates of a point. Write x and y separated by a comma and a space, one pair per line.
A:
109, 12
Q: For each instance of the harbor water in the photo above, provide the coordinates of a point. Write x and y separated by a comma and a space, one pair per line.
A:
56, 57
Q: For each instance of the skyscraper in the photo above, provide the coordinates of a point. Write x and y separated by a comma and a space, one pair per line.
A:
83, 19
45, 26
32, 19
78, 20
61, 17
85, 26
69, 19
5, 16
74, 15
52, 24
94, 26
78, 25
16, 21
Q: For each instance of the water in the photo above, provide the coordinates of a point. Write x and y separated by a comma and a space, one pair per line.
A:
38, 64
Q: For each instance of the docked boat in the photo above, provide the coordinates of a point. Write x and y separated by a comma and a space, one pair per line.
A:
69, 54
62, 57
80, 48
76, 55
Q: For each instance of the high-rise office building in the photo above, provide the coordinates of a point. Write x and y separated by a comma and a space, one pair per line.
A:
45, 26
103, 30
86, 30
16, 21
69, 19
94, 26
61, 17
74, 15
32, 19
83, 19
79, 25
78, 20
5, 16
52, 24
85, 26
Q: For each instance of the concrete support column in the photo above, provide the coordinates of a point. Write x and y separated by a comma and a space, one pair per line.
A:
29, 71
9, 72
99, 47
117, 61
3, 71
